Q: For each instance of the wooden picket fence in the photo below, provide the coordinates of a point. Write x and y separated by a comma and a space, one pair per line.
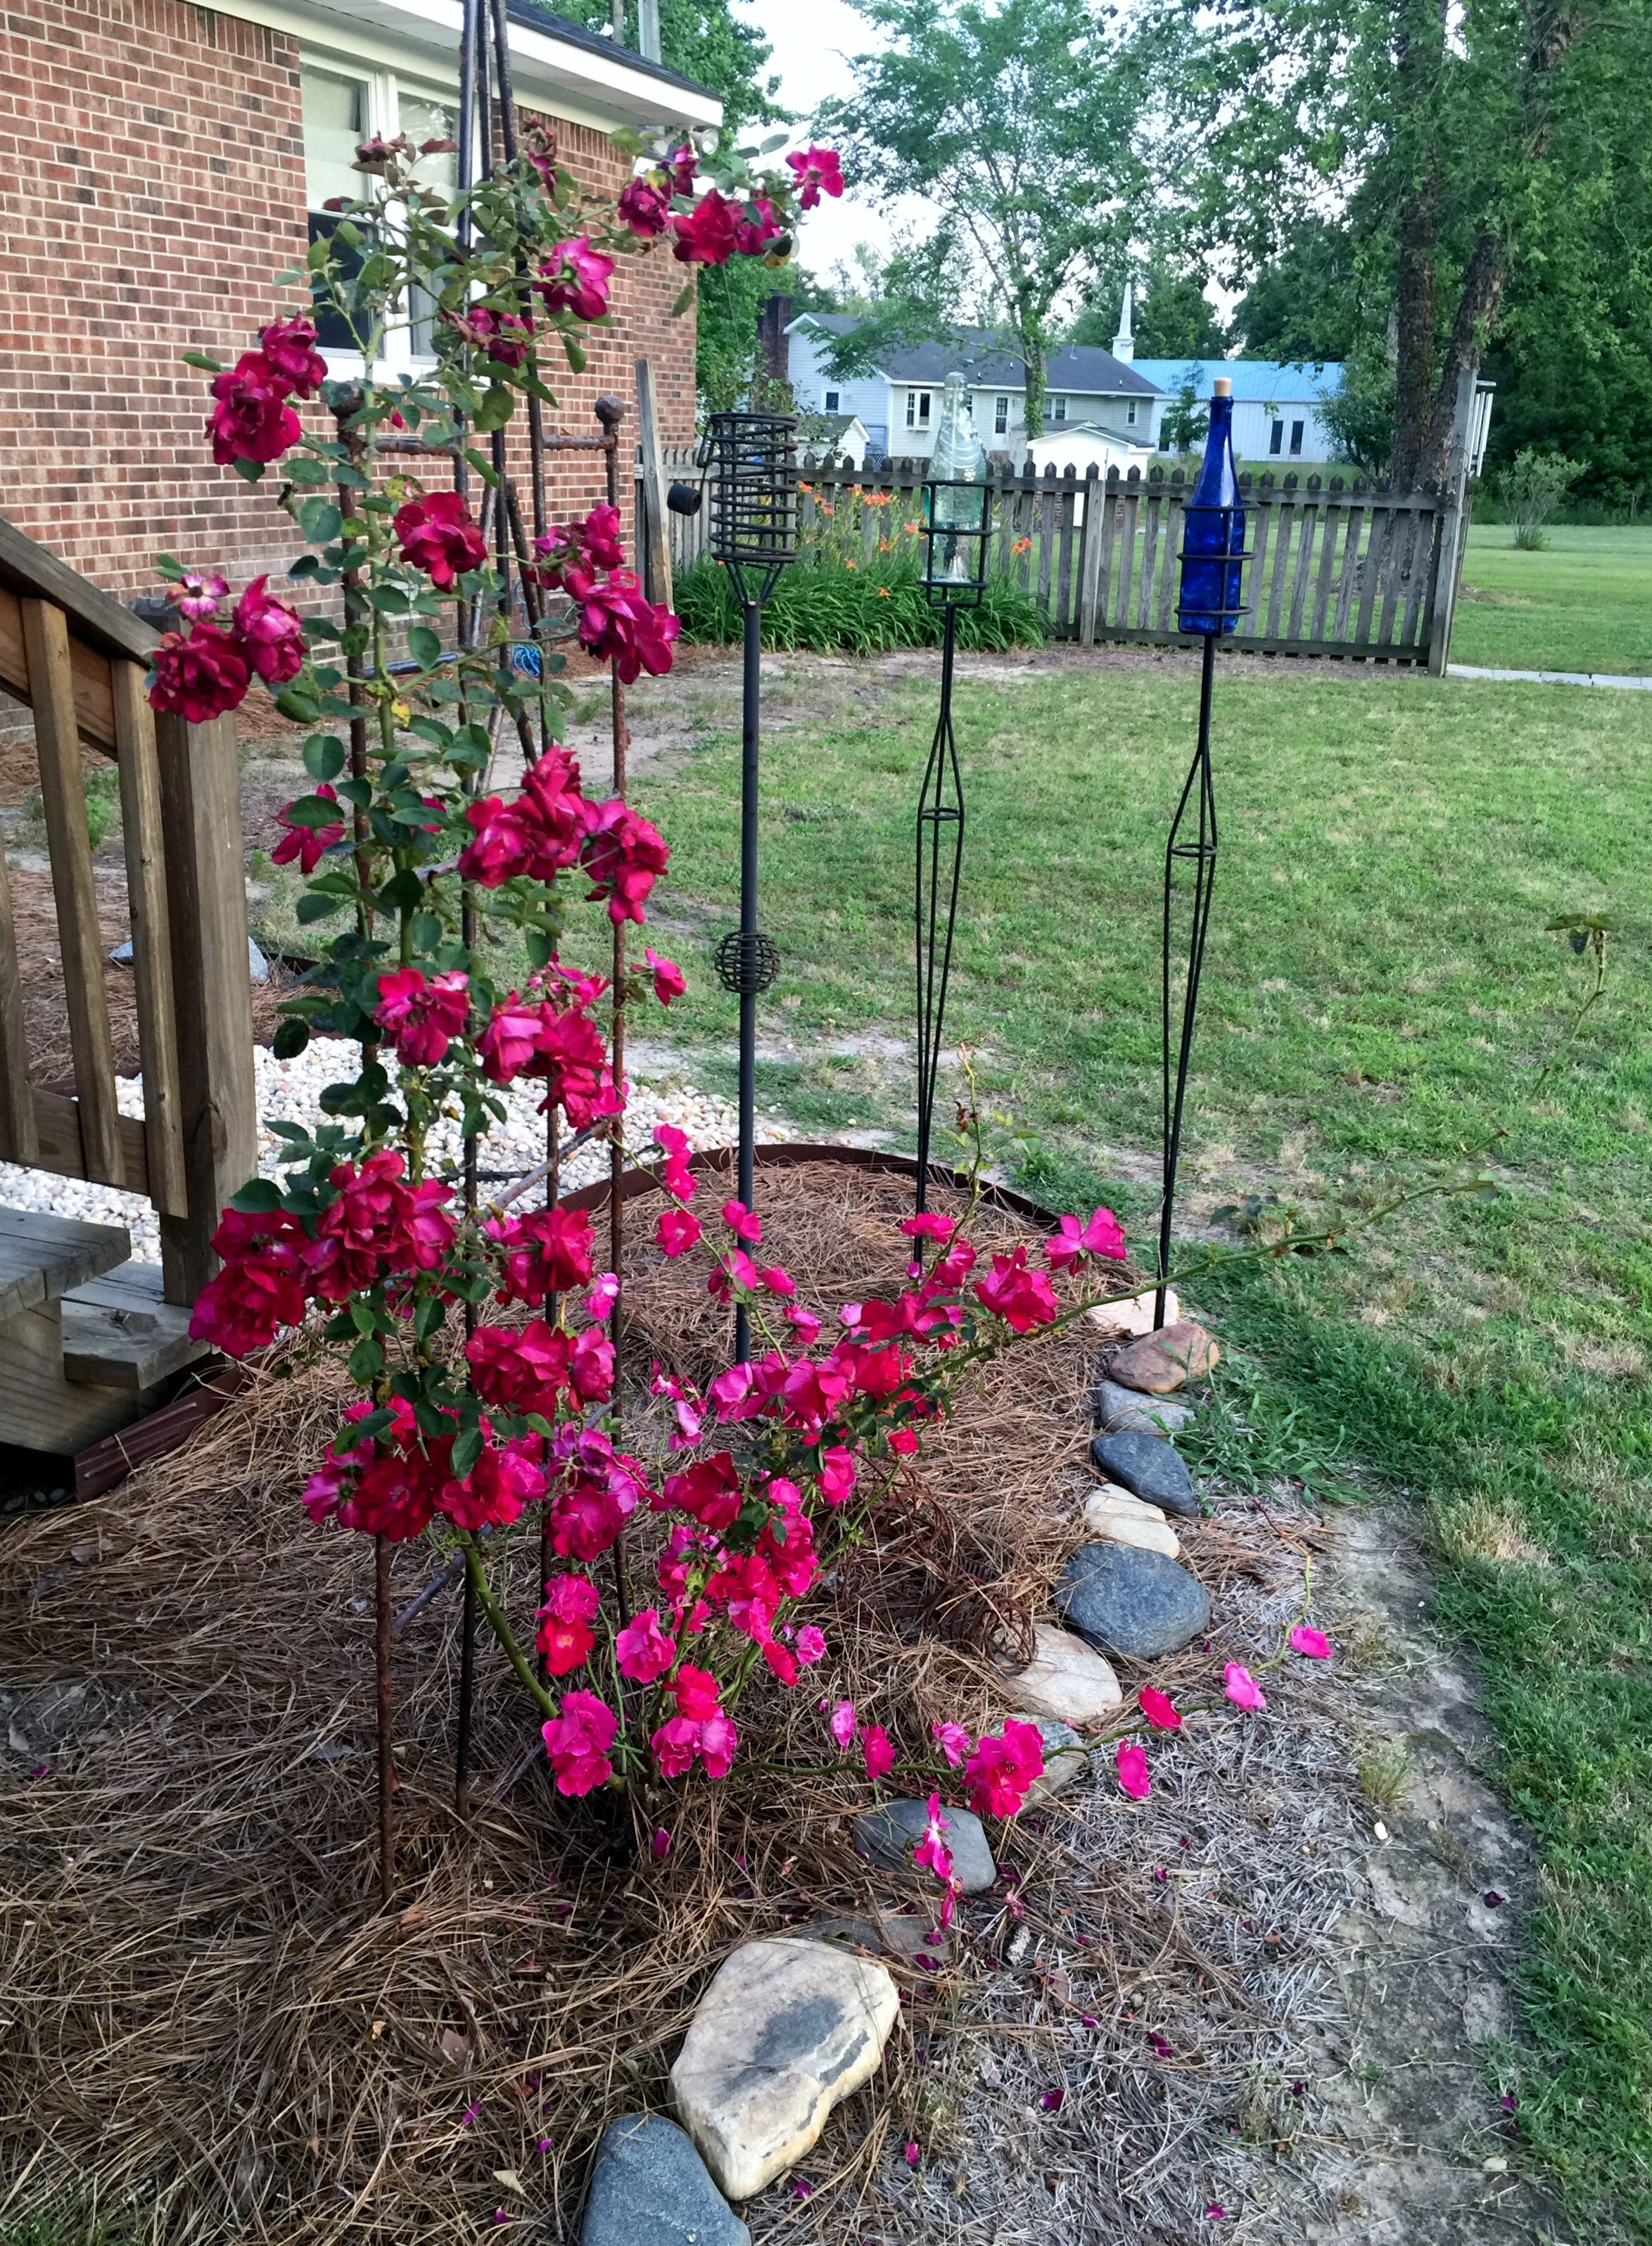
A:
1337, 568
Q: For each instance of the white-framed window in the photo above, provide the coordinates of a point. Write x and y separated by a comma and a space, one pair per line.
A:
341, 106
1276, 437
1055, 408
918, 403
1130, 414
831, 398
999, 416
1296, 441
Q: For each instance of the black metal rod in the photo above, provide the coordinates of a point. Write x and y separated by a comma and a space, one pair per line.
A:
941, 811
385, 1720
1199, 789
466, 1698
749, 739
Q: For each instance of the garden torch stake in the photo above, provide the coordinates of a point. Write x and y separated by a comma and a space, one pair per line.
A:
746, 1186
1211, 604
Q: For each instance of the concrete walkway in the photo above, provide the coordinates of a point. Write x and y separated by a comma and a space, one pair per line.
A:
1554, 677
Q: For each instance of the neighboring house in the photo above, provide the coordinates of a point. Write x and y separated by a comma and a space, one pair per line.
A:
1083, 444
1278, 409
900, 400
166, 161
838, 437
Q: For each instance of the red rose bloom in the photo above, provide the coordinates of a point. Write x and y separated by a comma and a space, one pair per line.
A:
437, 536
753, 235
272, 638
520, 1370
578, 1741
200, 678
421, 1017
645, 209
504, 335
289, 347
619, 623
710, 234
564, 1637
574, 278
251, 419
624, 856
547, 1252
249, 1301
306, 844
819, 172
1000, 1771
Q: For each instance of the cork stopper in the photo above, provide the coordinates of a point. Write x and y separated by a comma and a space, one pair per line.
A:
1222, 387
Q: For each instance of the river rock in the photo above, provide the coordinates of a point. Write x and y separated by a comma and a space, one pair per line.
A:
651, 2188
785, 2030
1136, 1604
1148, 1467
1066, 1757
1167, 1360
1123, 1321
889, 1833
1127, 1412
1128, 1523
1066, 1679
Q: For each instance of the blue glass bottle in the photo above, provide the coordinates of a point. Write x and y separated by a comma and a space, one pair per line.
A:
1213, 525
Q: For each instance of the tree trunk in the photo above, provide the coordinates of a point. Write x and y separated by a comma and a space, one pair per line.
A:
1419, 58
1477, 309
1033, 357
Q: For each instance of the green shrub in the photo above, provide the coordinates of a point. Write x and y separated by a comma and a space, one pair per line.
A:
838, 595
102, 804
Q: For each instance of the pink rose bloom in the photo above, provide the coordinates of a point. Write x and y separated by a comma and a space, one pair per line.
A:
510, 1041
504, 1478
710, 1491
520, 1368
422, 1017
623, 856
753, 235
437, 536
743, 1223
709, 234
818, 172
1241, 1687
503, 336
932, 1853
546, 1252
1313, 1642
574, 278
841, 1724
564, 1637
618, 623
953, 1740
669, 981
1022, 1297
1161, 1712
249, 1302
877, 1751
1000, 1770
290, 347
200, 678
599, 1303
1133, 1770
644, 209
735, 1269
502, 845
197, 597
578, 1742
306, 844
1100, 1234
271, 635
590, 1371
251, 419
676, 1174
929, 1226
810, 1645
642, 1648
675, 1231
838, 1475
600, 534
778, 1280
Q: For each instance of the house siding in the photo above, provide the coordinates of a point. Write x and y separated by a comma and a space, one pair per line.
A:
152, 160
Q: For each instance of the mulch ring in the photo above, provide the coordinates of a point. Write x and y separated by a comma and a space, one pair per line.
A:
210, 2020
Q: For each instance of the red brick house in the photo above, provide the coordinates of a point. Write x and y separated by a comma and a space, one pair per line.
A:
159, 165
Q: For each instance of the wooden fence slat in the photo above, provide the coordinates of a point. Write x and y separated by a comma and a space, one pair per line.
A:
1304, 561
1399, 587
1109, 539
1419, 606
1335, 519
1349, 572
1149, 556
1130, 501
151, 939
1256, 577
1170, 571
74, 890
18, 1140
1065, 621
1375, 558
1089, 554
1290, 519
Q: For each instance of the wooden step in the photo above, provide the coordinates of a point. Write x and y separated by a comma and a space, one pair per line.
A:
120, 1332
43, 1257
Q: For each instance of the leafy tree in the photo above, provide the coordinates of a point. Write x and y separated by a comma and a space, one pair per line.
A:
1532, 490
1310, 305
1173, 318
1187, 417
913, 296
703, 40
1019, 124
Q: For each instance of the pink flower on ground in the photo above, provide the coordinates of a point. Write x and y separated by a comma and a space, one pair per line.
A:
742, 1222
422, 1017
251, 419
877, 1751
669, 980
643, 1649
1241, 1687
660, 1845
271, 635
675, 1231
841, 1724
1159, 1712
1133, 1770
578, 1742
1100, 1234
1313, 1642
574, 278
910, 2154
819, 172
438, 535
200, 678
1000, 1770
810, 1645
953, 1742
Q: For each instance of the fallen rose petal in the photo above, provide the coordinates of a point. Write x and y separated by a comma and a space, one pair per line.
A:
1161, 1712
467, 2118
1313, 1642
1051, 2100
1133, 1770
1493, 1900
910, 2153
1241, 1687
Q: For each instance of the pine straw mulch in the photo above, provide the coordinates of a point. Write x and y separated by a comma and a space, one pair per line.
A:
208, 2021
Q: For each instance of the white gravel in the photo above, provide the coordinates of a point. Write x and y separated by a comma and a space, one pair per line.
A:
289, 1090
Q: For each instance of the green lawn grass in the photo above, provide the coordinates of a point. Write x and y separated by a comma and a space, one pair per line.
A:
1381, 993
1583, 602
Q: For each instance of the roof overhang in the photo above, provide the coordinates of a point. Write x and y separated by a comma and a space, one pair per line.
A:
571, 79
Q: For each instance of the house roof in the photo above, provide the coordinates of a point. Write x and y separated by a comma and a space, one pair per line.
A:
980, 354
1262, 381
532, 17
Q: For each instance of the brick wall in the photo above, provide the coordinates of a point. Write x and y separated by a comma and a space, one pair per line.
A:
151, 189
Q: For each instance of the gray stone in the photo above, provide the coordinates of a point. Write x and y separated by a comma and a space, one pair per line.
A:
651, 2188
838, 1927
1149, 1468
785, 2030
1130, 1602
1126, 1411
1066, 1757
890, 1833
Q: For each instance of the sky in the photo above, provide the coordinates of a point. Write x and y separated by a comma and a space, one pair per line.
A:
809, 39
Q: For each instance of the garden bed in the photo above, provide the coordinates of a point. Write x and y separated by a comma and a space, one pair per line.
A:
214, 2024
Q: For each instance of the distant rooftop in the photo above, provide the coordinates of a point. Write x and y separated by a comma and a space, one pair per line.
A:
980, 354
1262, 381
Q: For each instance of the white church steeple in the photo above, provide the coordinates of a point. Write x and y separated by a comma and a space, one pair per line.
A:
1124, 344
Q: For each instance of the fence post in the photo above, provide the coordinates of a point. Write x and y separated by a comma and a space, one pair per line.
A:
1448, 551
653, 538
1090, 555
206, 905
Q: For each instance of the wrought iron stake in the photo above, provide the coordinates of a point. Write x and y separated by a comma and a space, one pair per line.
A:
938, 869
384, 1719
1197, 809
